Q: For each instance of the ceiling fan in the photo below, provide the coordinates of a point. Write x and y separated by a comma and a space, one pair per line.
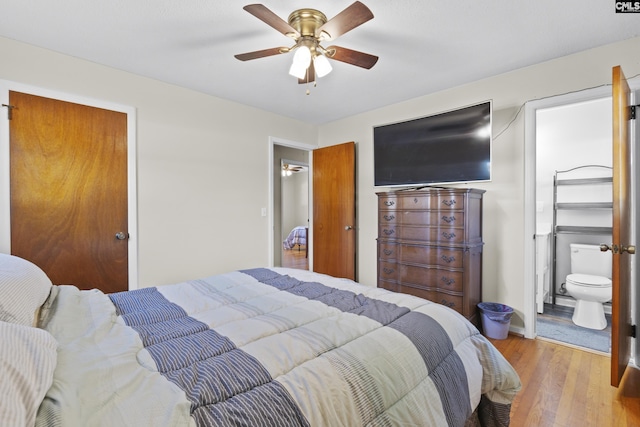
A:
308, 28
288, 169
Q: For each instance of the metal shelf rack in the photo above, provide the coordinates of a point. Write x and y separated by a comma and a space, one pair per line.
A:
558, 229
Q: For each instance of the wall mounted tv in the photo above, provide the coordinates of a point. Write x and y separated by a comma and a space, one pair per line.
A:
445, 148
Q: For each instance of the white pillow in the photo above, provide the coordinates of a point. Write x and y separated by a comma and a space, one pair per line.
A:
24, 287
27, 361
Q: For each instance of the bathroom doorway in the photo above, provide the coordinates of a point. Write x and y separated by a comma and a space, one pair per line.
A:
573, 147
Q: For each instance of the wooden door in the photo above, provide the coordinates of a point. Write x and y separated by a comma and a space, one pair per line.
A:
334, 212
68, 198
621, 275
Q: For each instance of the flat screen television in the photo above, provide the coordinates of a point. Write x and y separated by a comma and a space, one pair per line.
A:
445, 148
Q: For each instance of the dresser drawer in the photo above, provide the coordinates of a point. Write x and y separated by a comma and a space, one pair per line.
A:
454, 219
432, 278
387, 217
452, 301
429, 234
387, 203
390, 286
387, 251
388, 231
434, 256
442, 202
387, 271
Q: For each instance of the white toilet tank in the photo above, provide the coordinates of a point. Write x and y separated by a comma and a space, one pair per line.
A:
589, 259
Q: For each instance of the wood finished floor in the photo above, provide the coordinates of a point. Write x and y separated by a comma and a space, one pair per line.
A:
567, 387
295, 258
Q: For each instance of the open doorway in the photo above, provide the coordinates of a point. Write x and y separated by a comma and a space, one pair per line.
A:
294, 208
573, 217
535, 223
290, 195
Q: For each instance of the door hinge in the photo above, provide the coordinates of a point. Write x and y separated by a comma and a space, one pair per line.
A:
633, 331
9, 110
632, 111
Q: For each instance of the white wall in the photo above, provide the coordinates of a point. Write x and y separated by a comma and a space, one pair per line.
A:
566, 137
503, 261
295, 207
202, 163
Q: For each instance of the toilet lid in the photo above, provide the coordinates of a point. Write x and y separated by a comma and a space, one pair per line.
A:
588, 280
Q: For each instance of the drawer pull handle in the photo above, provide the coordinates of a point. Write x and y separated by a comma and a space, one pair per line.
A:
448, 219
447, 303
387, 252
448, 236
388, 270
415, 200
389, 203
448, 259
447, 280
388, 232
449, 202
389, 217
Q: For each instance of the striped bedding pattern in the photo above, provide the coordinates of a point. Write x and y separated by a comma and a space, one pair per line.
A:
280, 347
27, 361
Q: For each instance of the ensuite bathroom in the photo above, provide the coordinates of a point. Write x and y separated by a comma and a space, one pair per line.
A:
573, 218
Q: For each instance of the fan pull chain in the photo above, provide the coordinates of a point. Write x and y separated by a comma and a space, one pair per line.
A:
315, 84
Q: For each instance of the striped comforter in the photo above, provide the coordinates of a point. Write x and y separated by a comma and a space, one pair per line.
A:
270, 347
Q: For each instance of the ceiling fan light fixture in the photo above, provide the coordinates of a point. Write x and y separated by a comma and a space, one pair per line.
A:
322, 65
298, 70
309, 27
301, 61
302, 56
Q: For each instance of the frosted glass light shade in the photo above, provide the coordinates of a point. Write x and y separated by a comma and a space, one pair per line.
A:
298, 71
302, 56
301, 61
322, 65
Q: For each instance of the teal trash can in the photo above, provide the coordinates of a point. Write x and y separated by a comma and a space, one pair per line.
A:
496, 319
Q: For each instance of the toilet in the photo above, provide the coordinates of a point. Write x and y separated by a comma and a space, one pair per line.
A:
590, 284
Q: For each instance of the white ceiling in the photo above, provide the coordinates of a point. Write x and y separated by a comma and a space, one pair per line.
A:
424, 45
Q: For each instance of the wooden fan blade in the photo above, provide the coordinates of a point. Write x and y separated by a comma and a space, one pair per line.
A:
310, 77
353, 16
261, 53
352, 57
268, 17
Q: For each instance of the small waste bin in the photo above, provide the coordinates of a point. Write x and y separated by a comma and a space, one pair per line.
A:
496, 319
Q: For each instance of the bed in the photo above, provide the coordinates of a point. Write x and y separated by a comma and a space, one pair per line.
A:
255, 347
297, 236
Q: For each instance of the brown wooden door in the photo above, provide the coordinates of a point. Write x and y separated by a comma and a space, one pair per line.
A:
334, 211
69, 191
621, 274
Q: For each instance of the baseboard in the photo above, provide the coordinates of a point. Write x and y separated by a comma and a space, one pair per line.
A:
516, 330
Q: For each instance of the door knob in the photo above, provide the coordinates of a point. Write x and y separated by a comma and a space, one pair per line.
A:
630, 249
121, 235
348, 227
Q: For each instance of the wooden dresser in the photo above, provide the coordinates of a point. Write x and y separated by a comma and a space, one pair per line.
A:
430, 245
